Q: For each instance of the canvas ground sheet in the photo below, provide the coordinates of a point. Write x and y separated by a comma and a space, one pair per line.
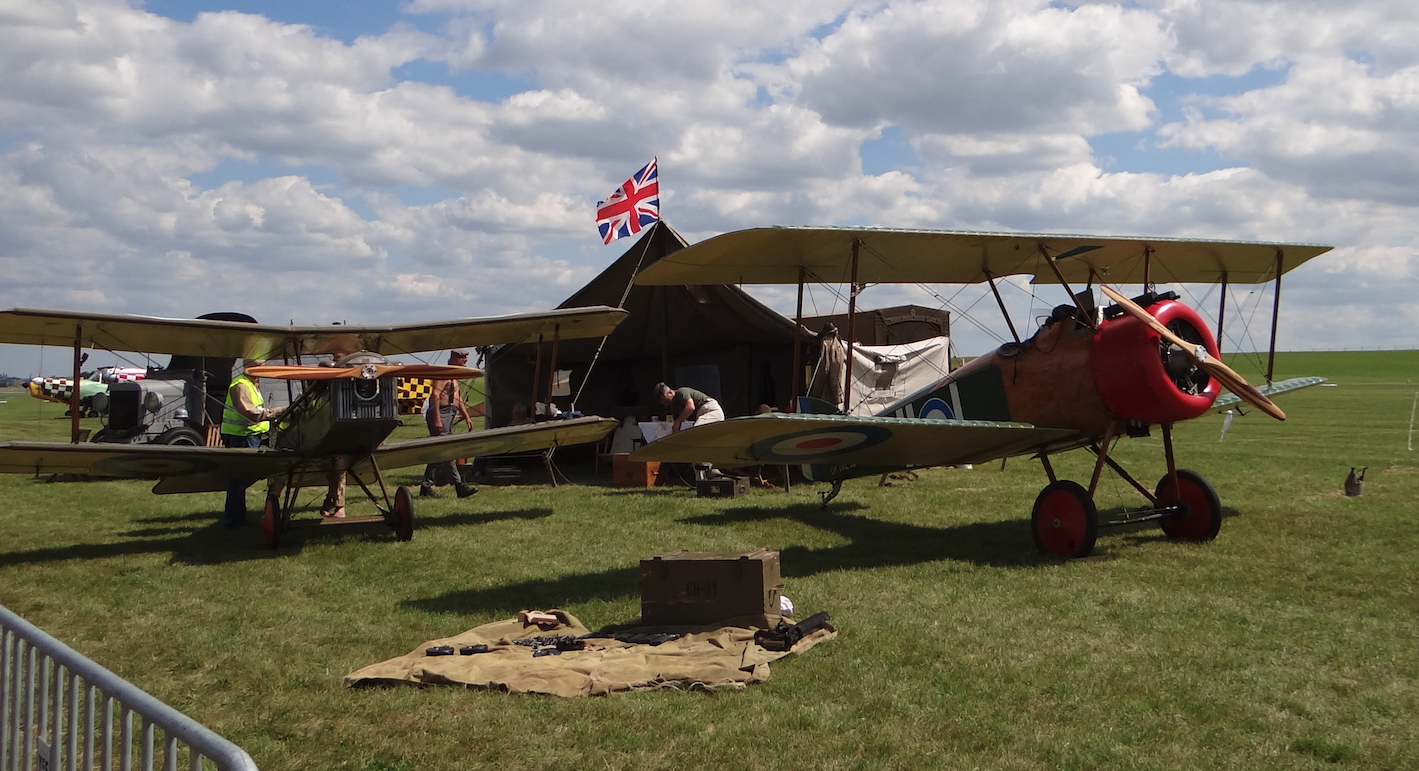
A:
710, 657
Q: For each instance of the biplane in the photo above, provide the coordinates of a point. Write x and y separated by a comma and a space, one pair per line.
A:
1084, 379
338, 423
92, 389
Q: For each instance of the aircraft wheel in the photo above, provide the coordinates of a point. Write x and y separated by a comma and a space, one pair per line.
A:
403, 514
271, 522
183, 437
1204, 509
1065, 521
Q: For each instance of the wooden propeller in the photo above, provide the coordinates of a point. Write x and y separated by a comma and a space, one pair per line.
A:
1225, 375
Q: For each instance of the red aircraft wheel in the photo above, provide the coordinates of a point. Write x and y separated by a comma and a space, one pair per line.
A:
403, 514
271, 522
1203, 517
1065, 522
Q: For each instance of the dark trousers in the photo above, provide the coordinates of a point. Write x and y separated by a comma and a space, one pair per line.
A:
450, 468
234, 513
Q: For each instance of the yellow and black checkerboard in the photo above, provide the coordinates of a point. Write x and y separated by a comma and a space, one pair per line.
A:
411, 394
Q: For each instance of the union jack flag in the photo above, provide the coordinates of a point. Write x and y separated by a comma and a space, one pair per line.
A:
634, 205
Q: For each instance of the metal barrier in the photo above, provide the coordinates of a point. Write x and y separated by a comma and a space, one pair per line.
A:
43, 683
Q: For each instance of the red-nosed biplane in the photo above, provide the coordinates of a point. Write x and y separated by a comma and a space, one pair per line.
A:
1084, 379
339, 421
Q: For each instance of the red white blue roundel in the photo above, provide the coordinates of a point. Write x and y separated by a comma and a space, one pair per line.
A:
818, 444
153, 466
936, 409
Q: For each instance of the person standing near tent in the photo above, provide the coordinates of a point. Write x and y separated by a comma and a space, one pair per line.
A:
832, 362
245, 419
445, 404
687, 403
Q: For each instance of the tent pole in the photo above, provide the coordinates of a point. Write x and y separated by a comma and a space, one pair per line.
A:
74, 392
552, 372
1222, 311
1275, 313
797, 345
536, 375
851, 328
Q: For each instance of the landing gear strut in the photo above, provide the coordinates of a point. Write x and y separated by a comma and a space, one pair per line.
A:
1065, 521
397, 514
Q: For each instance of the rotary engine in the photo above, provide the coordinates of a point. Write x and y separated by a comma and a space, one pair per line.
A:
1142, 378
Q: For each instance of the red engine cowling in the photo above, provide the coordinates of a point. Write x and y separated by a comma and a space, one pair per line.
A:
1141, 378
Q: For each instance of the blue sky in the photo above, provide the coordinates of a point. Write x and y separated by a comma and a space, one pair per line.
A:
442, 158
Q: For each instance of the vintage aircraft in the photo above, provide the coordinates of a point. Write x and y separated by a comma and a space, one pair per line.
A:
338, 422
1083, 379
60, 390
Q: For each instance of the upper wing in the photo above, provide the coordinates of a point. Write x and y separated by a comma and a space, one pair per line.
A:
238, 340
776, 255
1271, 389
141, 461
364, 371
494, 441
842, 439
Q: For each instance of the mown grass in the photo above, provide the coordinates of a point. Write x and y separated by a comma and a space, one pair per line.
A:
1290, 642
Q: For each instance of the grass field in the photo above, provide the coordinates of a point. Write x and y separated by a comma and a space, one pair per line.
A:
1291, 642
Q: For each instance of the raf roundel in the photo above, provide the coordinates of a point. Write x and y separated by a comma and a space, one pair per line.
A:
819, 443
152, 466
936, 409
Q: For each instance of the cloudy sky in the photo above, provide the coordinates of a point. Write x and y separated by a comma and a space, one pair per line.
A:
370, 162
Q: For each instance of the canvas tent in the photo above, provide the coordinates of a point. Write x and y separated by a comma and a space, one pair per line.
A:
883, 375
715, 338
889, 326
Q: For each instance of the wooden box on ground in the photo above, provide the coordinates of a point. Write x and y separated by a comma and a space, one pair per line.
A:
628, 473
701, 588
724, 487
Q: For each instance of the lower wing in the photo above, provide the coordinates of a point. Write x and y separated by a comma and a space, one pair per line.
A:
846, 440
208, 469
494, 441
1270, 389
141, 461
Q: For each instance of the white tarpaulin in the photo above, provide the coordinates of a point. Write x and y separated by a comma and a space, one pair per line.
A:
885, 374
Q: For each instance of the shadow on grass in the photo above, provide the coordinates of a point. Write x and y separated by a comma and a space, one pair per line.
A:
541, 593
213, 544
872, 544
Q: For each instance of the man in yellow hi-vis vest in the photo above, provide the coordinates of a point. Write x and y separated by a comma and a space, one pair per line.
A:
245, 418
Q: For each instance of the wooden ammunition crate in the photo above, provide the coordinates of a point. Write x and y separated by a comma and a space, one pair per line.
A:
701, 588
726, 487
628, 473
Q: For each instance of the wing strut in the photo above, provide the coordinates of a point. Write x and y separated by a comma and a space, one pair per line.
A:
1275, 310
551, 370
74, 392
536, 376
1221, 312
851, 331
994, 290
797, 343
1087, 319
